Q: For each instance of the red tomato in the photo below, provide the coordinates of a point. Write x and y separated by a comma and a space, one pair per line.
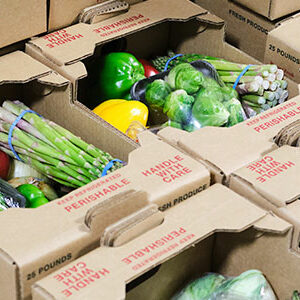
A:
4, 165
149, 69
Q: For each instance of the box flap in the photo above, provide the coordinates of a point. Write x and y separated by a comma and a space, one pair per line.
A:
18, 67
275, 176
217, 209
81, 39
211, 18
271, 223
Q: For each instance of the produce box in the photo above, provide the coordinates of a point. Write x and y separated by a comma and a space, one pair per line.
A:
223, 233
63, 13
249, 31
75, 51
21, 20
37, 241
225, 150
273, 182
271, 9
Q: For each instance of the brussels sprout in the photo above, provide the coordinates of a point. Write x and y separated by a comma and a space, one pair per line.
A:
178, 106
185, 77
210, 82
208, 110
201, 289
156, 93
229, 93
234, 107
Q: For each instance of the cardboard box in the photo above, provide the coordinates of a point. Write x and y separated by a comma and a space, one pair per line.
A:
63, 13
21, 20
225, 150
70, 226
248, 30
190, 30
282, 47
273, 182
217, 231
271, 9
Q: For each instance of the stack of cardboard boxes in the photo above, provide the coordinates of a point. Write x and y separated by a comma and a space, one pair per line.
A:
216, 200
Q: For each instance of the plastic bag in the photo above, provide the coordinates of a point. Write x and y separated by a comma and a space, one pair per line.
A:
250, 285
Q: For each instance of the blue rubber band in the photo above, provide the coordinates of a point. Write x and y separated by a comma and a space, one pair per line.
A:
109, 166
169, 60
240, 76
12, 127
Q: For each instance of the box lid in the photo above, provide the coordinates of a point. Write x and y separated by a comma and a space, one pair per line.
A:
275, 176
215, 210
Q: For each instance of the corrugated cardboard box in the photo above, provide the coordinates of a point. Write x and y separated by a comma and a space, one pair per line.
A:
271, 9
63, 13
246, 29
188, 30
217, 231
273, 182
224, 150
283, 48
35, 242
21, 20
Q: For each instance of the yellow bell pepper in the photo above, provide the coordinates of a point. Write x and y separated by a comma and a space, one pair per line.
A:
120, 113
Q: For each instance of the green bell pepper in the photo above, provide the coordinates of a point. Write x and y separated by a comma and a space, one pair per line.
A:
34, 196
118, 71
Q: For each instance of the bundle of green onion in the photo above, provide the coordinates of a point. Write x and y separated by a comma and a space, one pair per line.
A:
260, 88
51, 149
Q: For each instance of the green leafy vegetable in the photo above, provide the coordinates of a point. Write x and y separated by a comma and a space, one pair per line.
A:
296, 296
185, 77
156, 93
229, 93
201, 288
178, 106
236, 111
208, 110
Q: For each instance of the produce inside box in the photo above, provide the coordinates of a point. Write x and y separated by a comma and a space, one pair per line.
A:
39, 159
188, 91
118, 72
225, 249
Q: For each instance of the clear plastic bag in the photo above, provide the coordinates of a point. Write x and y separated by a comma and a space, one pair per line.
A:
250, 285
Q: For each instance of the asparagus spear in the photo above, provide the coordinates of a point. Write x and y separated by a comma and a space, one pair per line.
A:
254, 99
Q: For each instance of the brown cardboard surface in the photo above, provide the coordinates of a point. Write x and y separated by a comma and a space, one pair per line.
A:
117, 267
273, 182
283, 49
223, 150
21, 20
62, 234
272, 9
63, 13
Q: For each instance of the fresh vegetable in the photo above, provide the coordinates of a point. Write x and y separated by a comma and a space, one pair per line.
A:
296, 296
117, 72
235, 109
250, 285
208, 110
178, 106
259, 80
34, 196
148, 67
10, 197
185, 77
156, 93
121, 113
54, 151
4, 165
40, 184
19, 169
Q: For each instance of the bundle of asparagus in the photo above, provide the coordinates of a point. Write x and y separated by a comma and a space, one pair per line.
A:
260, 88
50, 148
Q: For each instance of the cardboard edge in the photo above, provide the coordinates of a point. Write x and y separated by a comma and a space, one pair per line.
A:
273, 224
39, 293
